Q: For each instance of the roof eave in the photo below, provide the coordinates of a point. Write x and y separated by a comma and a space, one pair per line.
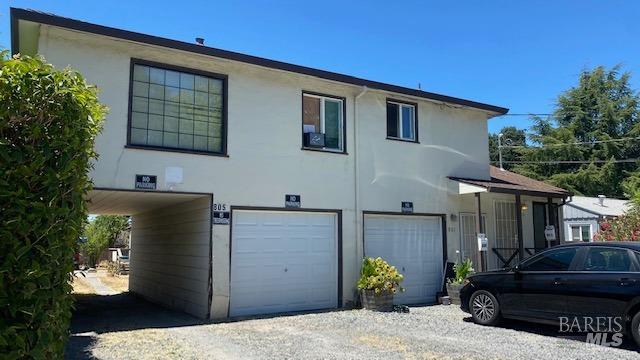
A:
18, 14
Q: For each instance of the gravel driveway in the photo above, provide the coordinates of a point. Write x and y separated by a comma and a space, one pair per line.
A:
122, 327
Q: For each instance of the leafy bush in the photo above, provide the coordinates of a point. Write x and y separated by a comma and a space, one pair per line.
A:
622, 228
48, 122
462, 271
379, 276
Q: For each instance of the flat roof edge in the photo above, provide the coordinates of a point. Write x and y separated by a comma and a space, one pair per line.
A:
54, 20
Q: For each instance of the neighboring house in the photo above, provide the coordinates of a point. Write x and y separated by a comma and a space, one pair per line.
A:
583, 215
257, 186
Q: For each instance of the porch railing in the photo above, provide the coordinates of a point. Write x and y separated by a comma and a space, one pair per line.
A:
507, 255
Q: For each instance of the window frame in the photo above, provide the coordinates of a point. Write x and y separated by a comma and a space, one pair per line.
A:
632, 255
164, 66
580, 225
343, 108
401, 103
577, 259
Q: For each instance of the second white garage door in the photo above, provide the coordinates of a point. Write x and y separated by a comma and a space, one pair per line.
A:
283, 261
413, 244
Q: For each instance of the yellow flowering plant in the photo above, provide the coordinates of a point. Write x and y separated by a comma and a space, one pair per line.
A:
379, 276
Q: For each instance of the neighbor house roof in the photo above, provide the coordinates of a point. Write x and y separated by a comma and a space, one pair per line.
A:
609, 207
503, 181
33, 16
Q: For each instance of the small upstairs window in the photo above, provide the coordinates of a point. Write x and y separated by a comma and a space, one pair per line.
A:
401, 121
323, 122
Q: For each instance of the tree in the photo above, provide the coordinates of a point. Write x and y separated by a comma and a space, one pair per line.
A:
602, 106
102, 233
511, 136
49, 119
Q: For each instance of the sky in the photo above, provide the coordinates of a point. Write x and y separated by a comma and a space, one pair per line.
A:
514, 54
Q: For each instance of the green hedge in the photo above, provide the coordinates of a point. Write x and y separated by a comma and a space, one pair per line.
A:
48, 122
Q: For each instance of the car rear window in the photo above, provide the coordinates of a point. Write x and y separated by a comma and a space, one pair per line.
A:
607, 259
554, 260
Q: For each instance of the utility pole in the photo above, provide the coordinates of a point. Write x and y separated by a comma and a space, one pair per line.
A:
500, 150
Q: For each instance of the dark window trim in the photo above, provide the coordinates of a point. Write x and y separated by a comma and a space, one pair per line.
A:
224, 78
174, 150
344, 122
415, 120
338, 213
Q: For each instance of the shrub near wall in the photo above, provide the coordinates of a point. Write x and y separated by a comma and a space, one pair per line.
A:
48, 122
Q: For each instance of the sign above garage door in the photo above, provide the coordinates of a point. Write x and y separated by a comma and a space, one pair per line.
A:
146, 182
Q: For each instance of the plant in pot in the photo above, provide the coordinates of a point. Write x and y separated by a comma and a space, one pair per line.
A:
378, 282
462, 271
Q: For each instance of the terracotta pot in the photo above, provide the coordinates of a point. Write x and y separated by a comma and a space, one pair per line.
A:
382, 302
454, 292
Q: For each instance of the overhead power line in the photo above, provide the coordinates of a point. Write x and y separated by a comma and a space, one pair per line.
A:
573, 143
529, 114
558, 162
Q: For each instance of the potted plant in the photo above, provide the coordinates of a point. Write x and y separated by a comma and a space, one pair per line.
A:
378, 282
462, 271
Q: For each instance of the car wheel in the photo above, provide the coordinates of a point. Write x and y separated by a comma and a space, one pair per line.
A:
484, 308
635, 328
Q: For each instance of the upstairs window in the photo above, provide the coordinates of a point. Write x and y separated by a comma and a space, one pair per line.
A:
323, 122
401, 121
176, 109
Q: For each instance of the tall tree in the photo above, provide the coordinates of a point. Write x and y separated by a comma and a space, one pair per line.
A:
102, 233
511, 136
601, 107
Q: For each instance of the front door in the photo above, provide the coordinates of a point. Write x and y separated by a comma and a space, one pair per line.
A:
468, 239
539, 223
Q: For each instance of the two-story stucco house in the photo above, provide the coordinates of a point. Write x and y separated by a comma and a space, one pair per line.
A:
257, 186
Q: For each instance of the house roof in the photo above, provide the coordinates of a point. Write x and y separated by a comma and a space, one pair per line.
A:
503, 181
610, 207
34, 16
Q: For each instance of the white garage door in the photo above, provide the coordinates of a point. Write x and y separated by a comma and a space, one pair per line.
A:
283, 261
413, 244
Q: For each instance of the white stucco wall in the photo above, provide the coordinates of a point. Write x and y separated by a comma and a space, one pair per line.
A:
265, 160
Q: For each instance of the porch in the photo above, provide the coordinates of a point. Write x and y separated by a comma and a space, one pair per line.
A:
513, 211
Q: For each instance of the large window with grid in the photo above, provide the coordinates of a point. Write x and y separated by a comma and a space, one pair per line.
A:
177, 109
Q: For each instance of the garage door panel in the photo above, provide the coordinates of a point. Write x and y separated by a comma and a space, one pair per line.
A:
413, 244
303, 244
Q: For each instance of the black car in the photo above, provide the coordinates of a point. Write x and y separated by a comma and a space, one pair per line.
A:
576, 281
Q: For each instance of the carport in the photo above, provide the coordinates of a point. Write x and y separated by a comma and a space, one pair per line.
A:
170, 259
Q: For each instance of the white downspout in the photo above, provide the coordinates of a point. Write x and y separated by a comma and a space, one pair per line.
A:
356, 150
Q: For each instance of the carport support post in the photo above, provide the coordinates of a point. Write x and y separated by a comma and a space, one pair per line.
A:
480, 230
519, 227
